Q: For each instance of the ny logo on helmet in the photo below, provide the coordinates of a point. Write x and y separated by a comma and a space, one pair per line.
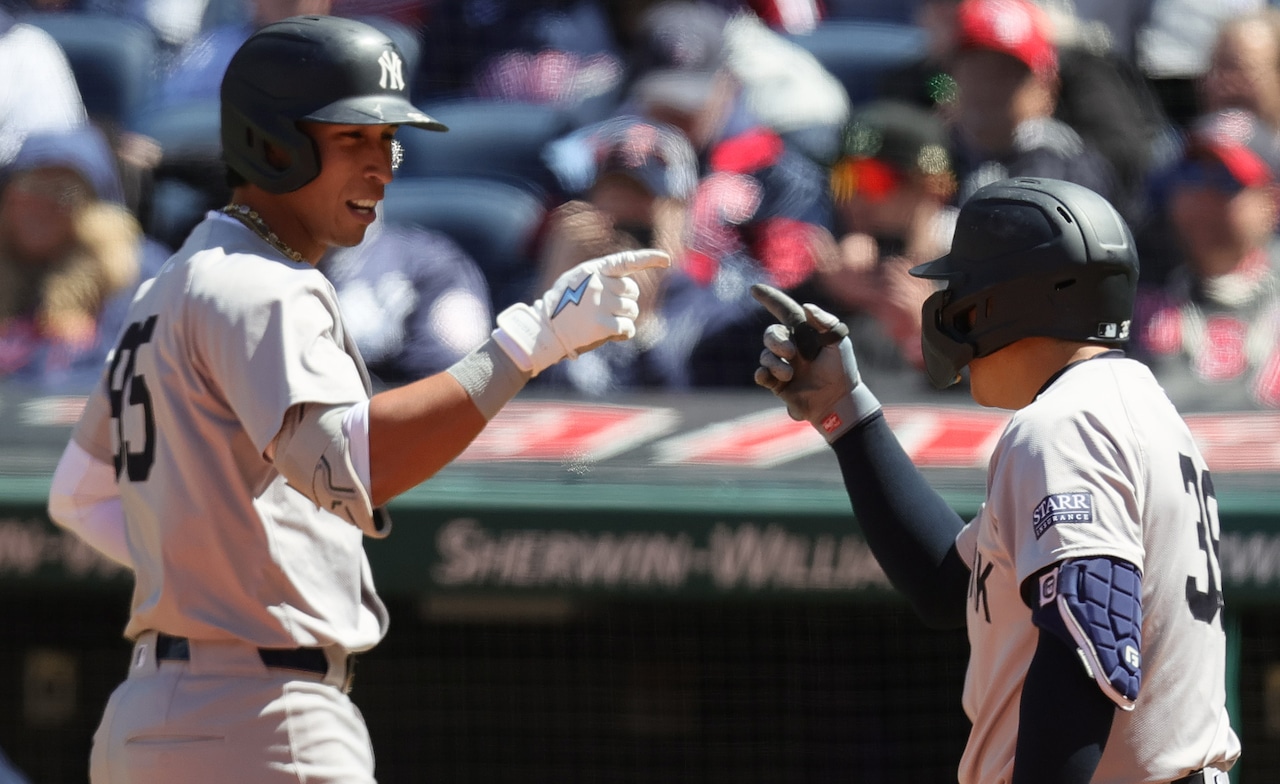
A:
392, 71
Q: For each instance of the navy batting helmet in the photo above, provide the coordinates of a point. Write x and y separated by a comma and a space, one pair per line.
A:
1030, 258
308, 68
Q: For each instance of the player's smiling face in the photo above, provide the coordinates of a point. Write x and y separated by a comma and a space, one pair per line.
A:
337, 207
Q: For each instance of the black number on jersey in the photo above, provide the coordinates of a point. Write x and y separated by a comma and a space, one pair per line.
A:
128, 391
1204, 604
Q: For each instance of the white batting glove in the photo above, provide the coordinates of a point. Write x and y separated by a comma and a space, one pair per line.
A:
589, 305
808, 362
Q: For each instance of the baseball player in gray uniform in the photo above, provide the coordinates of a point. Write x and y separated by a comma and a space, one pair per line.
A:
232, 455
1089, 581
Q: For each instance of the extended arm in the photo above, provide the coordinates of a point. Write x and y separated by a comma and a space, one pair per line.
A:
417, 429
907, 524
808, 361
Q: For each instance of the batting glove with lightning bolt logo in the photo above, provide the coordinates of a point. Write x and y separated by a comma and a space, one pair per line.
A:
589, 305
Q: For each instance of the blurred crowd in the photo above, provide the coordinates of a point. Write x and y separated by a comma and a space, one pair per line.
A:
821, 146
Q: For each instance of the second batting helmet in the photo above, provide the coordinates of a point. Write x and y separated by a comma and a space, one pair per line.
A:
1030, 258
308, 68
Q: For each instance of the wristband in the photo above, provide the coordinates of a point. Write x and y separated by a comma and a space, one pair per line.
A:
848, 411
490, 376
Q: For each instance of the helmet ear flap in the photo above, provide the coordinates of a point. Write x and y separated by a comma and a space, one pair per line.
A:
250, 148
944, 347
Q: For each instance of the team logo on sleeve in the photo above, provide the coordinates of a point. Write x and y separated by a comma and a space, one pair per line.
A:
1062, 508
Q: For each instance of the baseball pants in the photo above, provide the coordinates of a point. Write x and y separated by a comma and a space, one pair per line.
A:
223, 716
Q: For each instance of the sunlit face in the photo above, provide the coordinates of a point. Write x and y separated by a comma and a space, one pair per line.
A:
38, 211
339, 205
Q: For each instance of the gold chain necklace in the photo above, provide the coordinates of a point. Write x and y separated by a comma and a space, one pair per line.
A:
250, 218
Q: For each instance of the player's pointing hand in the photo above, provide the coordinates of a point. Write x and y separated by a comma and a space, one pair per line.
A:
589, 305
808, 362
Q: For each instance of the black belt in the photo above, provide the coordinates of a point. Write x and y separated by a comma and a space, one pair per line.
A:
313, 660
1194, 778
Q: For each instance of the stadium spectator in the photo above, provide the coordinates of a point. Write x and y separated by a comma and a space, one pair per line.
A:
414, 301
39, 91
560, 52
196, 71
1244, 67
633, 180
1243, 73
1211, 332
1100, 94
1173, 45
891, 187
785, 87
1006, 73
761, 211
70, 257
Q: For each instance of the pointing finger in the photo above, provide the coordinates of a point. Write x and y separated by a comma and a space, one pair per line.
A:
629, 261
784, 308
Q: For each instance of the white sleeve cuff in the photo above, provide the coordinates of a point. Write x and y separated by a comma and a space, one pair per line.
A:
85, 499
355, 426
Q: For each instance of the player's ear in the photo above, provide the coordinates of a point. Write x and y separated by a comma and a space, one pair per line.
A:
278, 158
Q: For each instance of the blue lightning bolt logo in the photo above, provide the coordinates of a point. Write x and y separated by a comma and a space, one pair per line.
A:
572, 296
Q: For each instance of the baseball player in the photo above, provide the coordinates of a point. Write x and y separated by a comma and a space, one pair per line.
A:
232, 454
1089, 581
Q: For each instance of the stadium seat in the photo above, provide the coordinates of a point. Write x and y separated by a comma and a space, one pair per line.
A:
858, 52
871, 10
188, 134
491, 139
495, 222
114, 60
190, 177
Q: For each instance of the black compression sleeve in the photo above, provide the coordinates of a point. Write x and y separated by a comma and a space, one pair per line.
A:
908, 526
1063, 721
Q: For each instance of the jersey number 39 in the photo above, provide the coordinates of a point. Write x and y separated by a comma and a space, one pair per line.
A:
1204, 604
128, 388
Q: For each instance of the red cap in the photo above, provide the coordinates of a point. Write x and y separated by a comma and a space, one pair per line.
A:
1246, 147
1013, 27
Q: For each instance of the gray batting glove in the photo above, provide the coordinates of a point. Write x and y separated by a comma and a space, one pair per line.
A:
808, 362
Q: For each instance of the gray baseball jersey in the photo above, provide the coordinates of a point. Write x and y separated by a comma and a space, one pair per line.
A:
1101, 464
218, 346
